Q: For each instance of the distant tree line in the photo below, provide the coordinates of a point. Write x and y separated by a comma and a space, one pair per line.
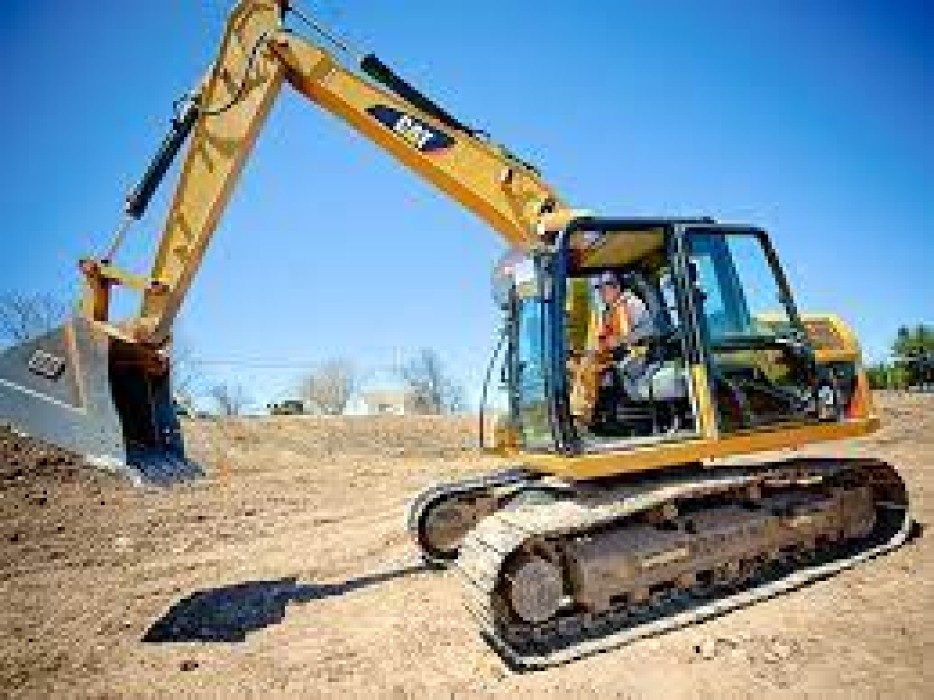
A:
911, 364
327, 389
433, 388
26, 316
330, 387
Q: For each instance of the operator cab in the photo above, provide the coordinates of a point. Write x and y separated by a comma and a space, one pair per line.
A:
629, 332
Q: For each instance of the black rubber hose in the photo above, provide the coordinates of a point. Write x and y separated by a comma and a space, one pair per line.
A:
486, 386
139, 197
386, 76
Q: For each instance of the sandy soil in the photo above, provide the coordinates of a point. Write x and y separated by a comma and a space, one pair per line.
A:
288, 572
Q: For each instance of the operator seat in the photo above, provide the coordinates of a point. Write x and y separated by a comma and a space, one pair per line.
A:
655, 375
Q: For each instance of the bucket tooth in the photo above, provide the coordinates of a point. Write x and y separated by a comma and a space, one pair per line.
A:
81, 389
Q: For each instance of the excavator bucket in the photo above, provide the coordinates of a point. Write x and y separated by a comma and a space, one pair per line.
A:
109, 401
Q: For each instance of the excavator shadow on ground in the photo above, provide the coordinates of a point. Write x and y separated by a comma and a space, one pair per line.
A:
229, 613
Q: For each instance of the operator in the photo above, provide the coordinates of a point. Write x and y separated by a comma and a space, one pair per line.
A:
597, 380
611, 329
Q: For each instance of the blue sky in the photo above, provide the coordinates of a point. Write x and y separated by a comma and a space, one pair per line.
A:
810, 118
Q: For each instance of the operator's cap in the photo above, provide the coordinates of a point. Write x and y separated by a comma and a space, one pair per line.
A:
606, 278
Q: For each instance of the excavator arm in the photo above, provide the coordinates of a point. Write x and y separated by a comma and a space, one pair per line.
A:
102, 389
257, 55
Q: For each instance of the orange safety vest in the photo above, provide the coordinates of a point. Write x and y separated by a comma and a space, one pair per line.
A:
610, 322
604, 324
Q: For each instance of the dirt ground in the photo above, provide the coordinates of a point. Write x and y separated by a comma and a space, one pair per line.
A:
288, 572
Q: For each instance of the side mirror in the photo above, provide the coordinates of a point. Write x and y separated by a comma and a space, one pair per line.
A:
795, 344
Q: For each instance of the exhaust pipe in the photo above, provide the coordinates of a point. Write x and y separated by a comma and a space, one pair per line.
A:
105, 399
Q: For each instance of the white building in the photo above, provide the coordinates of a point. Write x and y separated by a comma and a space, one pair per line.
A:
392, 402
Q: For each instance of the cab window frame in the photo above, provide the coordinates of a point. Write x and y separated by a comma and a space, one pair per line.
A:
568, 440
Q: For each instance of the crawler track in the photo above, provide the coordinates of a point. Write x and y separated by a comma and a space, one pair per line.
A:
490, 550
491, 488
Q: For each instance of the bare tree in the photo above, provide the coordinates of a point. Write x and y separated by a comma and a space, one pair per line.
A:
434, 390
231, 398
329, 388
186, 373
27, 316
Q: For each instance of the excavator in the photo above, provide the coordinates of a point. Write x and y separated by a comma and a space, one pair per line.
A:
655, 482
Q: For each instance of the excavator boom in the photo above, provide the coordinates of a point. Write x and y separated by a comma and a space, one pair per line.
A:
109, 394
257, 56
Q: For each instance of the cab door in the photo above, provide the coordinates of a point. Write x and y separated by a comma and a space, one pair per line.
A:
532, 393
760, 364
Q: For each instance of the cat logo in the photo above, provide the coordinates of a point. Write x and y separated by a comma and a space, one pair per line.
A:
47, 365
418, 134
412, 131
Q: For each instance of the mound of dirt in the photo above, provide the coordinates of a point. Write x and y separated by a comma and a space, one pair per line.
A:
287, 571
23, 459
328, 436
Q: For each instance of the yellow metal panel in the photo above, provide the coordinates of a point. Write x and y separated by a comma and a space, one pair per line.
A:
834, 340
663, 455
218, 150
706, 419
577, 314
507, 195
615, 249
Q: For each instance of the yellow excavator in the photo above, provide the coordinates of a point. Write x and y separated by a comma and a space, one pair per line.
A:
650, 364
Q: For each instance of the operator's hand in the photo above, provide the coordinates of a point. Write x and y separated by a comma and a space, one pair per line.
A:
608, 344
613, 347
